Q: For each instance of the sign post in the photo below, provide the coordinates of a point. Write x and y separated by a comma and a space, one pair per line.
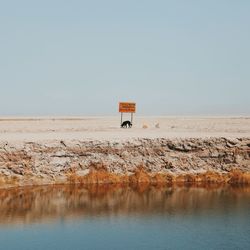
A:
121, 118
127, 107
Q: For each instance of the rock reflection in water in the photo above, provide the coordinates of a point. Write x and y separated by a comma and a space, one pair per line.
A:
49, 203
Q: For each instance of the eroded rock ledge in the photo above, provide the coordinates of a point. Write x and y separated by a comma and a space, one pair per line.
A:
76, 161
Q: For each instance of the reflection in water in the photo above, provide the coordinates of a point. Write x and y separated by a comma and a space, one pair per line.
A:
50, 203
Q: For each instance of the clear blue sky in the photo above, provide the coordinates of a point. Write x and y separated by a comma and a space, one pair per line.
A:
82, 57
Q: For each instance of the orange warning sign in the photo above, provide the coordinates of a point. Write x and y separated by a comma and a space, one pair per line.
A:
127, 107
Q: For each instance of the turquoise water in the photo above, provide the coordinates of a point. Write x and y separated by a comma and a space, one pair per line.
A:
71, 217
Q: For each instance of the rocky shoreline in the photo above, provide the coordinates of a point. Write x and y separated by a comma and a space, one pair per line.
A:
153, 161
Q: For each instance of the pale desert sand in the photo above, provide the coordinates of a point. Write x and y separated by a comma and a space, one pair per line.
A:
35, 129
47, 150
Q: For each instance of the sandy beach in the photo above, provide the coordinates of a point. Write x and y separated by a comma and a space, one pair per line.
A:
108, 128
96, 150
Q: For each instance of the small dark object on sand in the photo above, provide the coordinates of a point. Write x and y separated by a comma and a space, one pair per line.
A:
126, 124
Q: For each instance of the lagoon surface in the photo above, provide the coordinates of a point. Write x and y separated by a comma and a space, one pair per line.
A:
114, 217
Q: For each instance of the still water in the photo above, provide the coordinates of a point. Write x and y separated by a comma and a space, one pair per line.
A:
111, 217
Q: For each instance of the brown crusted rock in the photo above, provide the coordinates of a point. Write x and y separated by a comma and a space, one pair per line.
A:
238, 177
140, 176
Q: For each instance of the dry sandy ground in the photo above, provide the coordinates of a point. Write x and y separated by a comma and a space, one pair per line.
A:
96, 150
33, 129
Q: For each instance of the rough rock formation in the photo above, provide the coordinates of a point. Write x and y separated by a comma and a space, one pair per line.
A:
57, 162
